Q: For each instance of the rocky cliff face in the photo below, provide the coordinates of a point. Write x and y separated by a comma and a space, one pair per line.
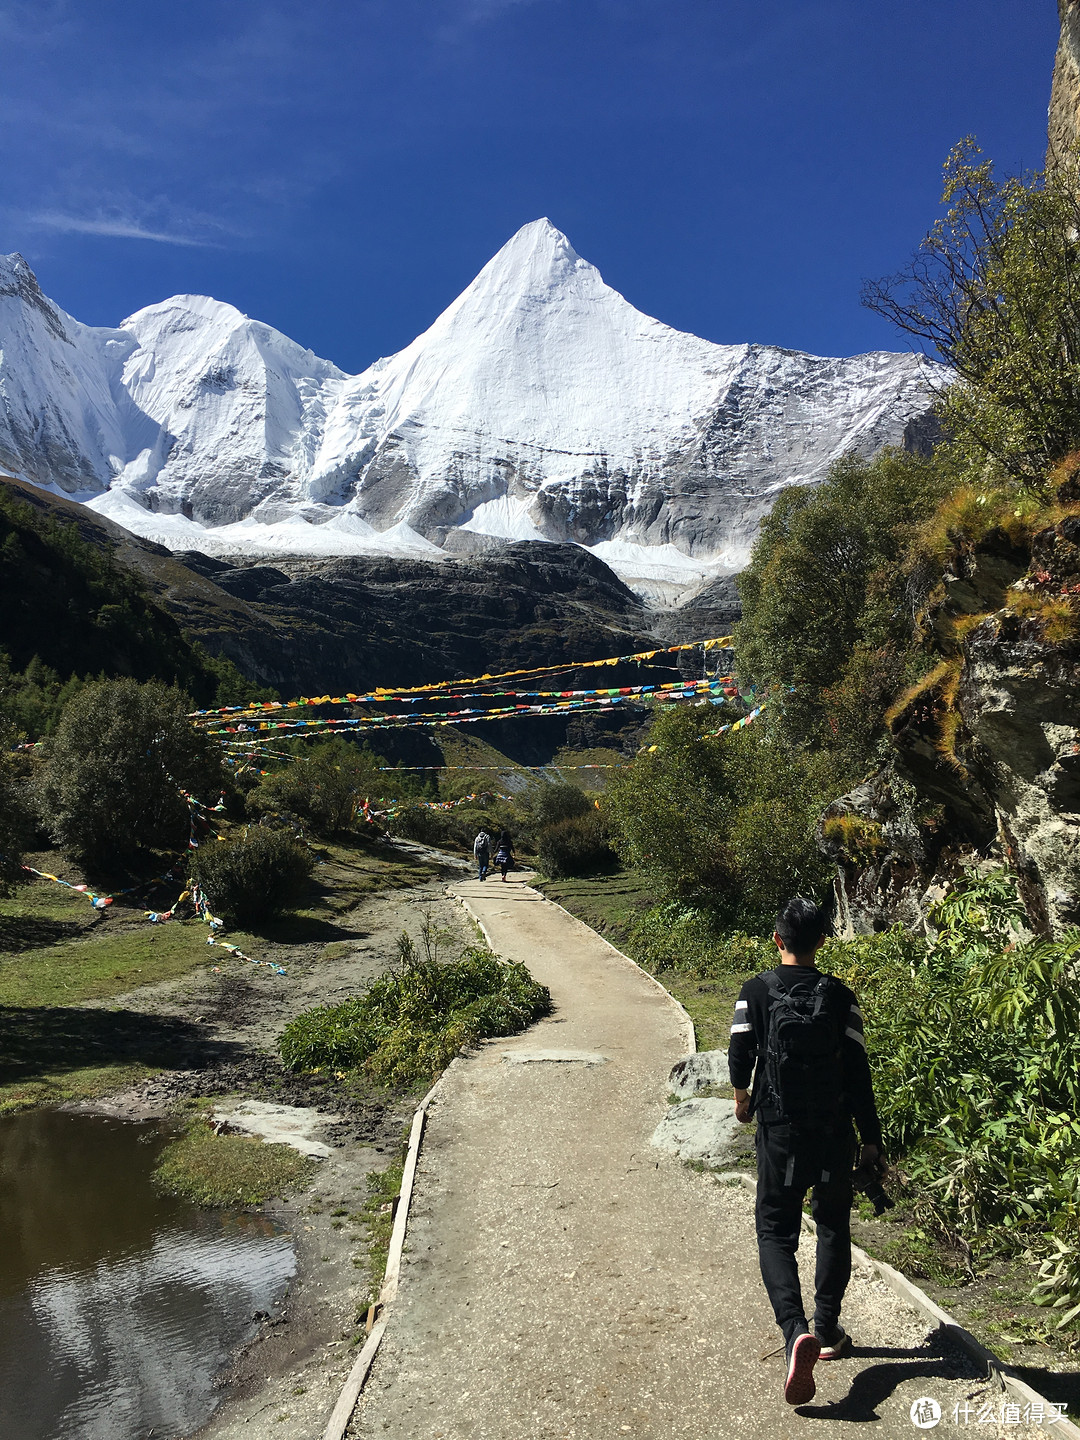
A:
987, 751
1064, 117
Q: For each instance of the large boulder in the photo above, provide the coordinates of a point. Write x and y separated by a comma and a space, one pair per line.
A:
701, 1071
704, 1130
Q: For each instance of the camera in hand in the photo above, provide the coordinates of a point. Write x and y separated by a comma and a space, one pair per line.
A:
867, 1181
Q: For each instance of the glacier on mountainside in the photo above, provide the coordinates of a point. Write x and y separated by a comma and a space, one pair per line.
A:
540, 405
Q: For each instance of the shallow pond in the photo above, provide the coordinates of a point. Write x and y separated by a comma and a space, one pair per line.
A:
118, 1306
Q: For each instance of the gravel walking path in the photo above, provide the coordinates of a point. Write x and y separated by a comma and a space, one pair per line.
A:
563, 1279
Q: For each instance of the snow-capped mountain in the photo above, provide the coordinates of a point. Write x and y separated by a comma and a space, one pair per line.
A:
540, 405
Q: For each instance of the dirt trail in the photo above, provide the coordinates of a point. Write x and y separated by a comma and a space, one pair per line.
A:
563, 1279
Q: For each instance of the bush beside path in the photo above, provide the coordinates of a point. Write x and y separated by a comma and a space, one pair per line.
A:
564, 1279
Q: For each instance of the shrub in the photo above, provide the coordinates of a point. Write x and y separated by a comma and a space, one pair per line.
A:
575, 846
974, 1045
253, 877
110, 785
409, 1025
676, 937
548, 802
419, 822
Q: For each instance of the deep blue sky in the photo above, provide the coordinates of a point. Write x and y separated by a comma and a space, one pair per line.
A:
342, 168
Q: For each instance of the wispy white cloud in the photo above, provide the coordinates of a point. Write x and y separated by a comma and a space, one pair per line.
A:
118, 226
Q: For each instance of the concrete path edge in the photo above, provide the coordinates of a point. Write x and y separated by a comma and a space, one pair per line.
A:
354, 1383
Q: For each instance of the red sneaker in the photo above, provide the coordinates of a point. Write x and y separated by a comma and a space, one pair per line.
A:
802, 1354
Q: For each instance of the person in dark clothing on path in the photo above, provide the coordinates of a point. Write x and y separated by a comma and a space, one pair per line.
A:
482, 854
799, 1034
504, 853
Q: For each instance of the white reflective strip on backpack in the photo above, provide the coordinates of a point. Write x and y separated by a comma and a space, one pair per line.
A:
740, 1005
856, 1035
740, 1029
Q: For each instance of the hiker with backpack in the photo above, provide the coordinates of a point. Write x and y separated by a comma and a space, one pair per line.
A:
799, 1034
481, 849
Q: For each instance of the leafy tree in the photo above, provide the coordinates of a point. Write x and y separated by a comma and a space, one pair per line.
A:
828, 606
994, 290
111, 781
15, 815
724, 822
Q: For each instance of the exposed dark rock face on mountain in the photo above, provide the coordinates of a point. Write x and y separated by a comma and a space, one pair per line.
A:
317, 626
987, 751
368, 620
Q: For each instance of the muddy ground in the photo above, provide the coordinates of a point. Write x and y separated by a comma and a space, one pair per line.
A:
286, 1380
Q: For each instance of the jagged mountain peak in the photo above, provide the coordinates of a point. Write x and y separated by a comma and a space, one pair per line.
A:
540, 405
537, 254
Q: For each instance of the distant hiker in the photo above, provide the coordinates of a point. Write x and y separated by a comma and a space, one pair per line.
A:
800, 1034
481, 849
504, 853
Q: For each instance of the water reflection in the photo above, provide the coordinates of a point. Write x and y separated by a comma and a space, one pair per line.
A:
117, 1305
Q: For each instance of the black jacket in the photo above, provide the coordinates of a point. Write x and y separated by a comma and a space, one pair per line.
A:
749, 1034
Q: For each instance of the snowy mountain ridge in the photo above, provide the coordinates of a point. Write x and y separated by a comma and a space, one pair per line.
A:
540, 405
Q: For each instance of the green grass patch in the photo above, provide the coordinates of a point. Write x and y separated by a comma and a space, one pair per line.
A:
109, 961
409, 1025
62, 1086
612, 904
709, 1003
211, 1169
42, 900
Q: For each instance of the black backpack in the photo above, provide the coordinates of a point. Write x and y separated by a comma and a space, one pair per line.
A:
802, 1051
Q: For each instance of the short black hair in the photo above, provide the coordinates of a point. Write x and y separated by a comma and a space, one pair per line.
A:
800, 925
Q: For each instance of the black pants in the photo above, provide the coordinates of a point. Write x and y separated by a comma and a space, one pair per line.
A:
788, 1164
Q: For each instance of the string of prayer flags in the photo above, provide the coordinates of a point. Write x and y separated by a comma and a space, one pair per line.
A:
739, 724
442, 687
99, 902
303, 729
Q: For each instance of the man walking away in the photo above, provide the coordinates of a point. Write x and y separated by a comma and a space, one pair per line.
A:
481, 849
799, 1033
